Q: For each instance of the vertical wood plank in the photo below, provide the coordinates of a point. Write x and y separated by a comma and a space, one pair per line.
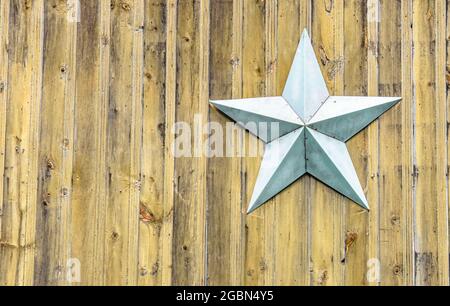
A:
392, 219
408, 143
152, 211
291, 258
136, 138
26, 269
89, 169
166, 242
4, 32
448, 98
105, 60
205, 36
253, 80
237, 258
373, 248
271, 65
220, 169
441, 135
124, 137
355, 84
327, 207
17, 247
192, 107
56, 146
431, 206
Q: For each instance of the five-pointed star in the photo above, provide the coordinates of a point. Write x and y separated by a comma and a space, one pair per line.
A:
311, 131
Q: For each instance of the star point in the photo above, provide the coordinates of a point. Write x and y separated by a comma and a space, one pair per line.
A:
305, 88
254, 114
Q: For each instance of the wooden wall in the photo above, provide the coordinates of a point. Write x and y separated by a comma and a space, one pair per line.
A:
88, 176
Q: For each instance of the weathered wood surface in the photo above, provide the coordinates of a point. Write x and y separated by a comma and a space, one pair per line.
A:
90, 92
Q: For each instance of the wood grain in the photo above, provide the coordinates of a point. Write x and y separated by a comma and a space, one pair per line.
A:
237, 211
123, 138
190, 172
24, 94
151, 209
166, 244
430, 177
88, 176
392, 219
220, 200
89, 167
4, 31
373, 273
408, 143
55, 156
355, 257
327, 207
253, 85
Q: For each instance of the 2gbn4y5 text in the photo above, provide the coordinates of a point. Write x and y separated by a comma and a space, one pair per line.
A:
225, 296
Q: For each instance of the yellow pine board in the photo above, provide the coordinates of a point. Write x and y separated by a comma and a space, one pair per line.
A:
430, 174
220, 201
21, 144
123, 134
151, 210
89, 169
356, 27
392, 218
56, 147
4, 32
190, 172
254, 85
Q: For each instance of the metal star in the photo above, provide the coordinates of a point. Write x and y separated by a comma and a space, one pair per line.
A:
312, 130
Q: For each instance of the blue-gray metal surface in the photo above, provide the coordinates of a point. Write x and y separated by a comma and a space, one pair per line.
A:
257, 115
343, 117
328, 160
305, 88
283, 163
